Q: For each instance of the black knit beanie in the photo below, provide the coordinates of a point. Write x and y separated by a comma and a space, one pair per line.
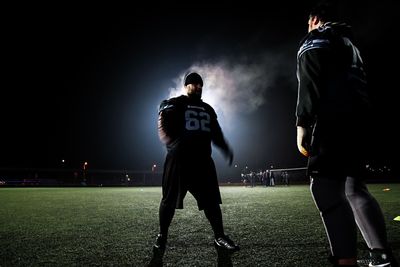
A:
193, 78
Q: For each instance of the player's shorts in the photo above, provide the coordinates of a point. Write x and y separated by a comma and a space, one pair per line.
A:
340, 151
198, 176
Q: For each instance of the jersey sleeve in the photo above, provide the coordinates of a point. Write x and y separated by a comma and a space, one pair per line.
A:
167, 121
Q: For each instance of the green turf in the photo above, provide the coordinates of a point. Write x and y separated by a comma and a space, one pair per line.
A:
277, 226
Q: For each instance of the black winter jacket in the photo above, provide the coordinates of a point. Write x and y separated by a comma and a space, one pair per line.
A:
332, 96
331, 78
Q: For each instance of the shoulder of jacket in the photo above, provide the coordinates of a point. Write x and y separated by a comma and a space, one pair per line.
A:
316, 39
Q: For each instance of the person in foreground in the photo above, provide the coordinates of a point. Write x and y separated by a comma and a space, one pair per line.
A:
188, 126
332, 131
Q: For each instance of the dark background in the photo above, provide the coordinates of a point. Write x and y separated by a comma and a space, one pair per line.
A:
83, 83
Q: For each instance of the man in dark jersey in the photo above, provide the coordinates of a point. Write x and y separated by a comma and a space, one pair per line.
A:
333, 112
188, 126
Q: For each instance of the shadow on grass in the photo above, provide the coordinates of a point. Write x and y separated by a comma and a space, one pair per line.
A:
157, 258
223, 258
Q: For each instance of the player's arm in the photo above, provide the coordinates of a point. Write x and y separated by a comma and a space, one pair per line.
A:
166, 122
219, 140
311, 65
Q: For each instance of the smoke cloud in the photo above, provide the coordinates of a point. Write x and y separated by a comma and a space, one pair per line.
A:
234, 88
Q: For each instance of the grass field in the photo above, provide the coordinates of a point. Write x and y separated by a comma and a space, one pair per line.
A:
277, 226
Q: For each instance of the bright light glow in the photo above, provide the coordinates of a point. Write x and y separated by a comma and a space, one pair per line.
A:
229, 88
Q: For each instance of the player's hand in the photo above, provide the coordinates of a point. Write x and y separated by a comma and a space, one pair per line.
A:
230, 157
303, 139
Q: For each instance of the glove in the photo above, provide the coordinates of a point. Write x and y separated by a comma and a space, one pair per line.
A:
229, 156
303, 140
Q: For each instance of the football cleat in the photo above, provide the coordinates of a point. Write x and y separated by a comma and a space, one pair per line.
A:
161, 242
379, 258
226, 244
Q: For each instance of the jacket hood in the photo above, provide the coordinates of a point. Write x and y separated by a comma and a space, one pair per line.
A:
337, 28
329, 30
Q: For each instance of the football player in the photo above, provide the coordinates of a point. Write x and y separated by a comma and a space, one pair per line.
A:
188, 126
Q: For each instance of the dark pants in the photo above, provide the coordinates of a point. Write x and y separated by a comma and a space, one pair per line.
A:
345, 203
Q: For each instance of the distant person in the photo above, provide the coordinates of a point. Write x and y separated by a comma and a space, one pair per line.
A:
188, 126
264, 177
271, 179
252, 176
332, 131
244, 181
267, 177
285, 178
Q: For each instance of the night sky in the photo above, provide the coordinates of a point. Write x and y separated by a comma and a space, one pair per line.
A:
83, 83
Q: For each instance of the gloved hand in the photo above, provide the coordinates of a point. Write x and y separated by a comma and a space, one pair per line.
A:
303, 140
229, 156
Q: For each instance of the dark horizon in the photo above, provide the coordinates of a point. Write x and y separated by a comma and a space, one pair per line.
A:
84, 85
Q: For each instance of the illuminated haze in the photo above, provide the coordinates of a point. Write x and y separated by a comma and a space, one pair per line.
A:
231, 89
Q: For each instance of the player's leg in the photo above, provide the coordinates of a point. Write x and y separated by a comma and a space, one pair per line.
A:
209, 201
214, 216
173, 192
171, 201
205, 189
166, 213
367, 213
336, 213
370, 221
